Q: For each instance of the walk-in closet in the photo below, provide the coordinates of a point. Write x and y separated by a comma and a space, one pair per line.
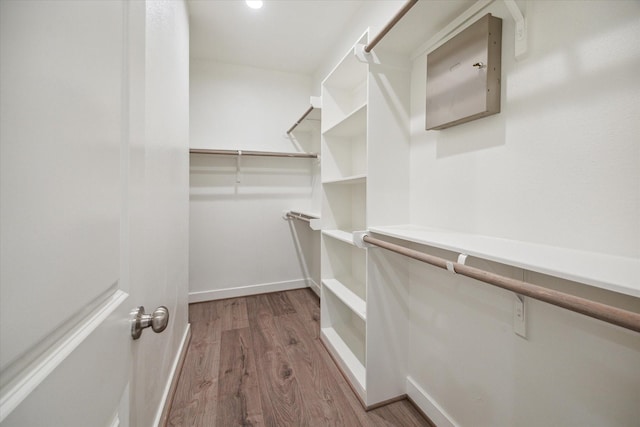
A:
314, 212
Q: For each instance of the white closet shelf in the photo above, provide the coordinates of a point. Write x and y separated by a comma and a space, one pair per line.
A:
308, 122
354, 123
346, 359
343, 236
614, 273
309, 214
347, 296
348, 180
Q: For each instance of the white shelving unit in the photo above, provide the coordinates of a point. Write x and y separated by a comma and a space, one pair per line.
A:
364, 131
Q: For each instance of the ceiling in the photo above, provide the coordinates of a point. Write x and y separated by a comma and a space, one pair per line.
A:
297, 35
284, 35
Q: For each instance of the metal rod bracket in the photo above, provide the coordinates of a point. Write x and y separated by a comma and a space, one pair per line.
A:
358, 240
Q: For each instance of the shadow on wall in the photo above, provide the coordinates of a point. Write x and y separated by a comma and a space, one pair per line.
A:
480, 134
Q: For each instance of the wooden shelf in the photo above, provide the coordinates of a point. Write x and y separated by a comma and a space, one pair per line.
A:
347, 296
343, 236
354, 123
614, 273
348, 180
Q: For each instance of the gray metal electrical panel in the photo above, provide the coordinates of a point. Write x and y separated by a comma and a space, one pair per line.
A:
463, 75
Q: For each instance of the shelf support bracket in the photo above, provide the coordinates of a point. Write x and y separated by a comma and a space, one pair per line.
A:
451, 266
358, 240
238, 166
521, 28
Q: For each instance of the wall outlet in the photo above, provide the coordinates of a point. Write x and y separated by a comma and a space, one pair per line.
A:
519, 316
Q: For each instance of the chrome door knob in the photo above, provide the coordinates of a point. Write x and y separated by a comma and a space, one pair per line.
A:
158, 320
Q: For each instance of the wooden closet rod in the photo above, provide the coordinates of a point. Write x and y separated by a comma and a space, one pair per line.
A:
252, 153
607, 313
398, 16
306, 113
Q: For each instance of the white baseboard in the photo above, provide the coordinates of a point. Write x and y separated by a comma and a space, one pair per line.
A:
243, 291
163, 410
427, 405
314, 286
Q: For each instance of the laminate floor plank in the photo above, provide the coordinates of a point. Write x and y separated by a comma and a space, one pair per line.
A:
282, 402
280, 303
322, 395
307, 305
233, 313
258, 360
205, 321
196, 396
239, 401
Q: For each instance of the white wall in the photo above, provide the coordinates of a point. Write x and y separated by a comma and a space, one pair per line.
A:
560, 165
239, 242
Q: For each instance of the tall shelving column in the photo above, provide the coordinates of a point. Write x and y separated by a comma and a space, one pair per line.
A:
344, 207
365, 182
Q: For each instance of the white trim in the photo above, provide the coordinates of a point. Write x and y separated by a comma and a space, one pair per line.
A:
428, 405
30, 377
174, 368
348, 362
314, 286
242, 291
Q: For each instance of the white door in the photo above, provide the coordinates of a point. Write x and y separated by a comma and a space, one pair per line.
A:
73, 123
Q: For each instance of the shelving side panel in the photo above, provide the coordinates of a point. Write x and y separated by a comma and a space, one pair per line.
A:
343, 206
346, 263
388, 324
343, 157
350, 299
388, 145
342, 103
353, 124
344, 89
346, 324
346, 360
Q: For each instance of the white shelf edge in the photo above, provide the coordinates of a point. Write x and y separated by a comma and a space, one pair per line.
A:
614, 273
332, 129
347, 296
343, 236
348, 180
311, 214
345, 358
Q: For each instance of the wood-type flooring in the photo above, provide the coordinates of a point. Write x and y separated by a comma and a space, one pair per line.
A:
258, 361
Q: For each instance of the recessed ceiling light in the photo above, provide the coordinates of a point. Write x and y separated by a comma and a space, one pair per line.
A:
254, 4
